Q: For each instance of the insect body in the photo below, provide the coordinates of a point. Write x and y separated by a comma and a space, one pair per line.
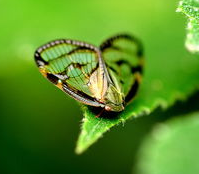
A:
107, 76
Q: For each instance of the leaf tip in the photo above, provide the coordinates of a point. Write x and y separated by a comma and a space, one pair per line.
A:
79, 150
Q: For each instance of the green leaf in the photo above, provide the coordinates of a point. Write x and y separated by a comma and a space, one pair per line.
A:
170, 74
172, 148
191, 9
161, 86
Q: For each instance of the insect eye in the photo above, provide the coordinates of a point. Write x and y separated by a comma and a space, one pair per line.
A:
107, 108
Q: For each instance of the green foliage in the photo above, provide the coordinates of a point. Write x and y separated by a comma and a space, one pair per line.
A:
172, 148
191, 9
37, 118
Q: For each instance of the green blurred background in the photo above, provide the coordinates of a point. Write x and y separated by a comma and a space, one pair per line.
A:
39, 124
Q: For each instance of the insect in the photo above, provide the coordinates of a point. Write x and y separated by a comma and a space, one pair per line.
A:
107, 76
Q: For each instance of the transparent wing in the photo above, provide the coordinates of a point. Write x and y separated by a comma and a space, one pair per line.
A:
69, 64
123, 55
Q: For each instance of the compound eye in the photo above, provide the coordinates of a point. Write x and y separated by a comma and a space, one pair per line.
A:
107, 108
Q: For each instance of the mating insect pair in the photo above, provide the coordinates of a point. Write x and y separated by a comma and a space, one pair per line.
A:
107, 76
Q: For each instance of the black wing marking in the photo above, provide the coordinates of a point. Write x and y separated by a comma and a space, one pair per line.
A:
68, 64
123, 55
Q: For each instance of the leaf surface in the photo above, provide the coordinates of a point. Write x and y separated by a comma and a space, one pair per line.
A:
161, 87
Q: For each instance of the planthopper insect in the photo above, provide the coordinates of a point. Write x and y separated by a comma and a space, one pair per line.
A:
107, 76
